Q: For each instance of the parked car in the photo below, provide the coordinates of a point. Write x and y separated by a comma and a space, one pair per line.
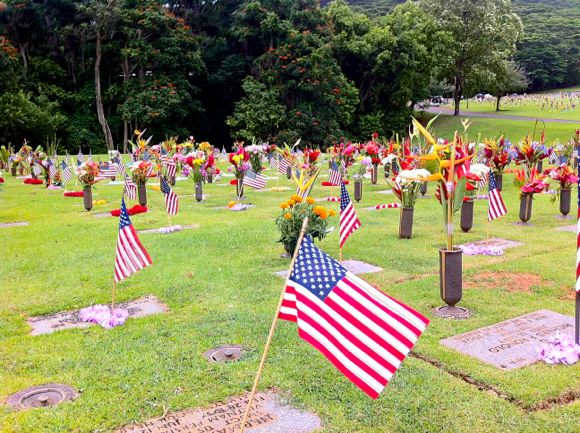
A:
437, 100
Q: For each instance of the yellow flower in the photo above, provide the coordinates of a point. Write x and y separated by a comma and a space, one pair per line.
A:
331, 212
231, 204
137, 132
296, 198
291, 202
284, 205
155, 188
287, 215
318, 210
309, 200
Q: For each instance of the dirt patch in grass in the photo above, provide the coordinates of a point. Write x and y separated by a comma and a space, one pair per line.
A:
568, 293
512, 281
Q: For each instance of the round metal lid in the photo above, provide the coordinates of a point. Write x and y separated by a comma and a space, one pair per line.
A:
225, 353
42, 396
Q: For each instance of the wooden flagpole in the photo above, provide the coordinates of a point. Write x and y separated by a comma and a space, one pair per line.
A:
273, 326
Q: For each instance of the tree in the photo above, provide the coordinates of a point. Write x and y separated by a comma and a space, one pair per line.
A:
508, 78
484, 32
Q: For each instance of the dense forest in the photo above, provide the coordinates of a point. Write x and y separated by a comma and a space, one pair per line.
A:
549, 50
86, 73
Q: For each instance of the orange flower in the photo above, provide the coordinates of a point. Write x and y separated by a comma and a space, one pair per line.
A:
318, 210
291, 202
331, 212
323, 215
296, 198
309, 200
287, 215
231, 204
284, 205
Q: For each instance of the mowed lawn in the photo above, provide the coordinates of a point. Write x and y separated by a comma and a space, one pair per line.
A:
514, 130
219, 284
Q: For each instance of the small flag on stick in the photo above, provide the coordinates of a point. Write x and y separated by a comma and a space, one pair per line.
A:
349, 221
496, 205
171, 201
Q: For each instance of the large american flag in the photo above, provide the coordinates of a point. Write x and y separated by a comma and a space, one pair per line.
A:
254, 180
131, 256
496, 206
334, 176
130, 188
362, 331
349, 222
171, 201
66, 173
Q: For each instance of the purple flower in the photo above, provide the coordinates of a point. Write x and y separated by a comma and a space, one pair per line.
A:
560, 350
118, 318
94, 313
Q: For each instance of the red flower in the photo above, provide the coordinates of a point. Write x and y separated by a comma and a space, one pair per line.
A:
1, 180
233, 182
74, 194
131, 211
31, 181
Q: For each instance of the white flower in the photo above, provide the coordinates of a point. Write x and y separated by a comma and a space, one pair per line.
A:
389, 158
416, 175
479, 169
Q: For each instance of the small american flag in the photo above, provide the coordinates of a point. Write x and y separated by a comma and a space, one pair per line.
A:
121, 169
171, 201
254, 180
108, 170
130, 256
80, 158
37, 170
130, 188
362, 331
66, 173
334, 176
51, 169
482, 181
283, 164
496, 206
150, 170
349, 222
553, 158
171, 167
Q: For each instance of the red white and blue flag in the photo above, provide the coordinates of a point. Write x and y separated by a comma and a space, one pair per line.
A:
108, 170
254, 180
130, 256
130, 188
171, 201
349, 222
334, 176
496, 205
66, 173
283, 164
170, 167
362, 331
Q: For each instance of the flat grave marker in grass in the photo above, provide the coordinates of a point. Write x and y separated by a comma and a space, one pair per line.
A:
355, 266
50, 323
15, 224
495, 242
513, 343
567, 229
169, 229
267, 415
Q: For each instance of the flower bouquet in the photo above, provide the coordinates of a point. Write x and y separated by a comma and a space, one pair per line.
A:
406, 188
196, 161
308, 171
239, 160
372, 150
139, 173
290, 220
528, 183
497, 156
256, 153
87, 174
566, 178
359, 168
530, 154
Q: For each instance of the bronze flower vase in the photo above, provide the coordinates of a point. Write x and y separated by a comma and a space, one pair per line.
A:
406, 223
565, 195
358, 188
240, 187
466, 221
171, 180
451, 284
13, 170
423, 189
88, 198
210, 175
499, 181
289, 172
199, 191
142, 194
526, 201
375, 173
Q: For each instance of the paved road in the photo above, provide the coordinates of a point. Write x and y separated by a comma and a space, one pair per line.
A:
442, 110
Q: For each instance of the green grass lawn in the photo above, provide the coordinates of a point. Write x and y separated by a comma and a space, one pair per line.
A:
445, 126
219, 285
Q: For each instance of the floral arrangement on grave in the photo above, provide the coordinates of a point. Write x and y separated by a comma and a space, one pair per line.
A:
528, 153
448, 164
140, 171
344, 154
407, 184
293, 212
240, 162
15, 161
4, 155
196, 162
496, 154
360, 167
562, 174
257, 153
372, 149
529, 183
308, 171
87, 174
479, 170
140, 147
270, 150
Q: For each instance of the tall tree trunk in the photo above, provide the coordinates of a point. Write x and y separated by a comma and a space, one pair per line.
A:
497, 99
98, 97
457, 95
